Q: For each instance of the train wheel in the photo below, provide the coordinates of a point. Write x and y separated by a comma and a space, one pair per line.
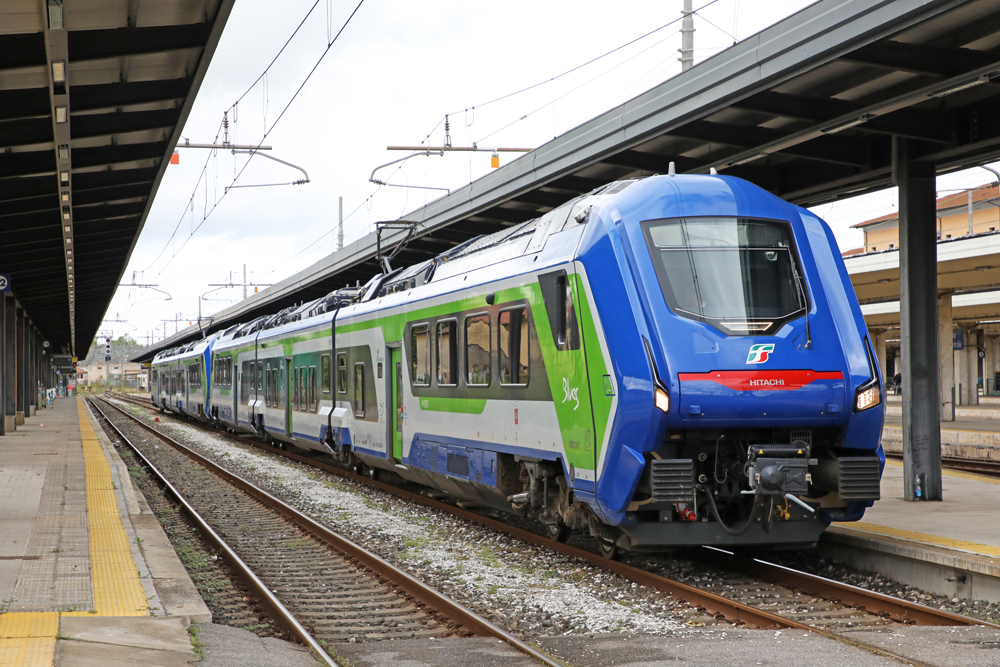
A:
609, 550
372, 473
557, 532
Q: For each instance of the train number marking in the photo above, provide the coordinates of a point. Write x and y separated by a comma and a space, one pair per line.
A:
571, 394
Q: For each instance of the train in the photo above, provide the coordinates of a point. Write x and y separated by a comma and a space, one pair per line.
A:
663, 362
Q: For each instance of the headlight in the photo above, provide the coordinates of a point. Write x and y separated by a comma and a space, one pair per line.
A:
662, 400
867, 397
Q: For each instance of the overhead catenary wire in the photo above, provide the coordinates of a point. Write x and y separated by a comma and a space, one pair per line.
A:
267, 130
582, 65
573, 90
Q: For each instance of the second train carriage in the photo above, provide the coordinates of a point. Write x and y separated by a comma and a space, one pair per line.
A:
671, 361
181, 379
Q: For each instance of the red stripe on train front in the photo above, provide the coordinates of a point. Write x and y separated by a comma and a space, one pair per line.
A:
761, 380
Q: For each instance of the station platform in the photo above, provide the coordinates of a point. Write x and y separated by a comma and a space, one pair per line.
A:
87, 575
951, 547
975, 433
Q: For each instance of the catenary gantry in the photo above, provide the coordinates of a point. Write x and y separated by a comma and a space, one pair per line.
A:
842, 98
93, 96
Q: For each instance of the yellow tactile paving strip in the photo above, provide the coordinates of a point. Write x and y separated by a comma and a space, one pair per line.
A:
926, 538
117, 589
29, 638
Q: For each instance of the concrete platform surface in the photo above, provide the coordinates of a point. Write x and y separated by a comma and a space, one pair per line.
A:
84, 565
723, 648
966, 519
949, 548
716, 647
449, 652
97, 641
226, 646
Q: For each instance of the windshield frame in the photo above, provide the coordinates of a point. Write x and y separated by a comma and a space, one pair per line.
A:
732, 325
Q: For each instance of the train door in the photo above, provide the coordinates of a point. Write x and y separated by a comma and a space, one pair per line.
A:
232, 364
286, 379
569, 315
396, 375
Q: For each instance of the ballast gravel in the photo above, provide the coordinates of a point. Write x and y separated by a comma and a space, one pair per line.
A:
518, 586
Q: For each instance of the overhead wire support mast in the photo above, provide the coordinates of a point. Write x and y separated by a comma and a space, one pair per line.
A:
250, 149
435, 150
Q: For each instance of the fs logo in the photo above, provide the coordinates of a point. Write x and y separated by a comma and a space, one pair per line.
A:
759, 353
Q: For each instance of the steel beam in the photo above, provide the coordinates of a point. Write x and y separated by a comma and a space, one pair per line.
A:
919, 324
118, 42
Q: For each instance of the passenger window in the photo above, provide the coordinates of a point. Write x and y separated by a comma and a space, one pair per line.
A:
564, 301
260, 376
359, 390
324, 371
342, 373
477, 350
313, 395
253, 376
514, 338
303, 389
267, 393
447, 353
295, 389
420, 355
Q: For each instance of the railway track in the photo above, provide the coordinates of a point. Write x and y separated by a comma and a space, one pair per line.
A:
978, 466
317, 586
748, 592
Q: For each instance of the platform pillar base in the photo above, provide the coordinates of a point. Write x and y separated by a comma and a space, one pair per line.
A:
9, 423
19, 418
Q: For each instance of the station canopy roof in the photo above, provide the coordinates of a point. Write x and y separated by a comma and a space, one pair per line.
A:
93, 96
807, 109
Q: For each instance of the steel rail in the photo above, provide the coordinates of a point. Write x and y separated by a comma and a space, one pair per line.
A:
873, 602
277, 611
721, 607
416, 589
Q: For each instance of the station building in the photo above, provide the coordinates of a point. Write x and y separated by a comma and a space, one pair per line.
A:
968, 267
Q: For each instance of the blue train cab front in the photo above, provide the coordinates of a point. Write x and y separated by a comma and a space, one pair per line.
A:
768, 395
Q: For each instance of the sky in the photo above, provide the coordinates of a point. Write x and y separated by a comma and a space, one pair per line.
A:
389, 78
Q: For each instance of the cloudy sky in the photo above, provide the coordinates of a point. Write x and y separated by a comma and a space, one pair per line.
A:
390, 78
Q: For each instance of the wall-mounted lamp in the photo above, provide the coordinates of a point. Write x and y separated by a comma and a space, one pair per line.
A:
58, 71
64, 178
55, 15
978, 81
62, 113
860, 120
747, 159
63, 151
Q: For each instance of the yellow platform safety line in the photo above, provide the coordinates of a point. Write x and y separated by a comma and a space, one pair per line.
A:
955, 473
926, 538
113, 573
28, 639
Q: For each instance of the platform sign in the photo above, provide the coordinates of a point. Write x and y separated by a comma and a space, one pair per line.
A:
958, 339
4, 282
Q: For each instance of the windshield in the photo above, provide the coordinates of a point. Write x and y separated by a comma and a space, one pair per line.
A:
736, 274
